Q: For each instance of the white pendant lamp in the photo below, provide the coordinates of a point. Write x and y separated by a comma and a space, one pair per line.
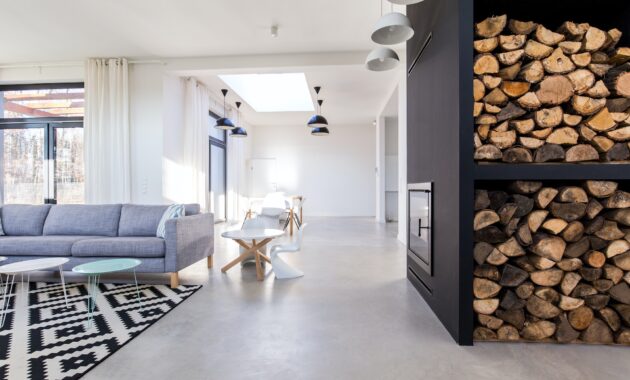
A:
392, 28
382, 59
405, 2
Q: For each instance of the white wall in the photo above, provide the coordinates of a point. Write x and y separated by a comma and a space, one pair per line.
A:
335, 173
391, 169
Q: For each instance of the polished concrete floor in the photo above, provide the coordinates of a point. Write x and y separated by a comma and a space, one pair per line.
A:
353, 316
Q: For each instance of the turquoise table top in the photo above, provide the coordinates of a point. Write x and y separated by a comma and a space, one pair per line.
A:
106, 266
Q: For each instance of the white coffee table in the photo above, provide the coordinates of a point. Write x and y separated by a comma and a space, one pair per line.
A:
26, 267
259, 238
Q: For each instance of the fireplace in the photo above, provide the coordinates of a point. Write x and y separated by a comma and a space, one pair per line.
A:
419, 205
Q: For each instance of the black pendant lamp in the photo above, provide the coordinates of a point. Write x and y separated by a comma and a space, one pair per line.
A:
317, 120
224, 123
239, 131
320, 130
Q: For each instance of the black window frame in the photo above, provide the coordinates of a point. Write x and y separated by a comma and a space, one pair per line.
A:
222, 145
49, 125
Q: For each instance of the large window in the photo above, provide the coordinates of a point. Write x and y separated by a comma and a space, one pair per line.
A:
218, 179
41, 143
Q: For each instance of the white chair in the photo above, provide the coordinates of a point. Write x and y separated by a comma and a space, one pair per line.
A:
280, 267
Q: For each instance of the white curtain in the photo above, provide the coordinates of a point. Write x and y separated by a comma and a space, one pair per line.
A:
195, 188
106, 135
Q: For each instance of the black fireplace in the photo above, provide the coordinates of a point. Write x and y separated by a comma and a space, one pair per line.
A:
419, 206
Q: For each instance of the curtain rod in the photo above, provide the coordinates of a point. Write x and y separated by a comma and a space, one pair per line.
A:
72, 64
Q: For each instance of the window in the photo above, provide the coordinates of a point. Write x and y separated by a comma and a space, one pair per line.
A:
218, 168
41, 143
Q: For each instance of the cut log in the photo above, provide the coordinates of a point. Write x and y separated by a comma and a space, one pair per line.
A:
541, 263
516, 155
612, 39
488, 152
536, 50
492, 26
512, 42
618, 80
502, 140
617, 247
496, 97
620, 293
522, 27
538, 330
597, 332
622, 338
548, 37
586, 133
597, 243
602, 285
486, 45
573, 31
569, 282
587, 106
549, 152
581, 318
511, 248
541, 133
525, 290
486, 64
486, 306
513, 276
550, 247
489, 321
524, 235
558, 63
555, 90
486, 119
510, 72
570, 47
621, 216
602, 144
601, 121
544, 196
618, 104
610, 231
590, 274
582, 80
620, 56
492, 235
515, 89
529, 101
548, 117
509, 112
536, 219
601, 189
594, 39
611, 318
533, 72
477, 109
593, 208
481, 200
572, 194
540, 308
483, 288
525, 205
497, 199
581, 153
525, 187
564, 332
595, 259
624, 313
479, 90
484, 333
599, 90
510, 57
549, 277
485, 218
506, 212
523, 126
481, 251
568, 211
569, 265
619, 117
599, 57
599, 69
487, 271
619, 152
563, 136
573, 232
612, 273
581, 59
569, 303
578, 248
554, 226
530, 142
508, 333
596, 301
510, 302
619, 199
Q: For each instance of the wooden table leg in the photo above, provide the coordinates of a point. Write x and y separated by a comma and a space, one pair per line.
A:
249, 250
291, 222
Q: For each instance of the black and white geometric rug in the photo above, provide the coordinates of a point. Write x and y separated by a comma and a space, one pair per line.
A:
42, 339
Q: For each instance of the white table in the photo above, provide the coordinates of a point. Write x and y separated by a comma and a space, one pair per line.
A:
25, 267
259, 238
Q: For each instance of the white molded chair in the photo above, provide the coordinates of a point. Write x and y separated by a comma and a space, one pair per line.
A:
280, 267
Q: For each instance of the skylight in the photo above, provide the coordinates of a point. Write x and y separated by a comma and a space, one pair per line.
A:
272, 92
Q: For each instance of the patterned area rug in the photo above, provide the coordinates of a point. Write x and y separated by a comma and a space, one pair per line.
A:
42, 339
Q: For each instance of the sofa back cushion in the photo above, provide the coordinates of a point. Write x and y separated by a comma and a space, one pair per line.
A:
24, 220
192, 209
93, 220
140, 220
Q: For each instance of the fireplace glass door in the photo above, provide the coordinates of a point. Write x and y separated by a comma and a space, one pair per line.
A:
419, 233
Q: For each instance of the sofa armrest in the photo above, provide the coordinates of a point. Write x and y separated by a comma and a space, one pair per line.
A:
188, 240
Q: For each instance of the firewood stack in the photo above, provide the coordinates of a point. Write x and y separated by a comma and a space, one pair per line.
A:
543, 96
553, 263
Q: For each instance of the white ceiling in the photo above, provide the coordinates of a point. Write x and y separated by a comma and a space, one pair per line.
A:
352, 96
36, 30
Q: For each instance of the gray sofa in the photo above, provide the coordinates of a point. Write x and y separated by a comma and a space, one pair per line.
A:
84, 233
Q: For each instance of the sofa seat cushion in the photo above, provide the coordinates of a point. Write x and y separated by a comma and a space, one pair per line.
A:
89, 220
120, 247
38, 245
24, 220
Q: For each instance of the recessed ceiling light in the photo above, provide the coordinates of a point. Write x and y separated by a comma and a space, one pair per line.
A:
287, 92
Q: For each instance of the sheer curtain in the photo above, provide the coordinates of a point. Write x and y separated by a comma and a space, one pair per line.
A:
106, 135
196, 145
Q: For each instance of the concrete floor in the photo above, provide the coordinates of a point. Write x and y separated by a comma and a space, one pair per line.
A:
353, 316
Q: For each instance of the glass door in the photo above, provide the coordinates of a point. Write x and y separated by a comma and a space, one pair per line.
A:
218, 171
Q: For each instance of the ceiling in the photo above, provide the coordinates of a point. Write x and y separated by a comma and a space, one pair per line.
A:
352, 96
35, 30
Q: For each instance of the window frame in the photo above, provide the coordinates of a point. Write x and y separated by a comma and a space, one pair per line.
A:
49, 125
222, 145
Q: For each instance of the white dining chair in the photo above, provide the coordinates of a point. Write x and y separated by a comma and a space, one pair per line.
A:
280, 267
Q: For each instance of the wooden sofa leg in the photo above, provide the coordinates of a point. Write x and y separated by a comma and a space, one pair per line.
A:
174, 280
210, 262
